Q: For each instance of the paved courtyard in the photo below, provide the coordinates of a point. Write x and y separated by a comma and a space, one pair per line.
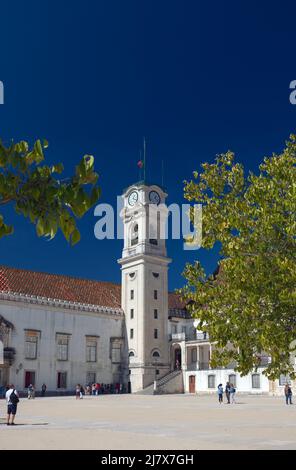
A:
150, 422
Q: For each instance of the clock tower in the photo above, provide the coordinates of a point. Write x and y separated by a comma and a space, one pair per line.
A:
144, 267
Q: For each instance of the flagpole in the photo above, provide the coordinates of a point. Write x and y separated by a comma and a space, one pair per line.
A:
144, 160
140, 169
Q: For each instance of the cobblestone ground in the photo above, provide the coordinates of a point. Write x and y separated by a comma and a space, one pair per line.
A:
150, 422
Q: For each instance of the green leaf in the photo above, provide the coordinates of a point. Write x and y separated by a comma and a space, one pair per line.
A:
75, 237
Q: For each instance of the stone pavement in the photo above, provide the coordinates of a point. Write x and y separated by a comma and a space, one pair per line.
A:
150, 422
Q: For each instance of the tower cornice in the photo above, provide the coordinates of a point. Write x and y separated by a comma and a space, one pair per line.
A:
140, 258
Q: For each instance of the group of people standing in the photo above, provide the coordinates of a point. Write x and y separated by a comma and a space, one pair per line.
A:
230, 392
31, 391
98, 389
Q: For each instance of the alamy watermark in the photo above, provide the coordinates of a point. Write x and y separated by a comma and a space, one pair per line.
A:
1, 92
293, 93
185, 223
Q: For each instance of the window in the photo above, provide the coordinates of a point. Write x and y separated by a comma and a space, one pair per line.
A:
155, 313
153, 241
174, 329
284, 379
91, 349
135, 235
131, 354
90, 378
115, 352
232, 379
62, 380
31, 341
155, 333
155, 294
157, 372
211, 381
184, 329
62, 347
29, 378
156, 354
131, 333
132, 313
156, 275
132, 295
255, 380
193, 355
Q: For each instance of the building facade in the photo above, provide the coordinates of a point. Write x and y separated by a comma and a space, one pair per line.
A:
61, 330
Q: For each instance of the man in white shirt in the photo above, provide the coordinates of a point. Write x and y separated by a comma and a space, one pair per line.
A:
12, 400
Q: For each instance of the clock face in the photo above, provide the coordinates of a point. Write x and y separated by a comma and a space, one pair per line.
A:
154, 197
133, 197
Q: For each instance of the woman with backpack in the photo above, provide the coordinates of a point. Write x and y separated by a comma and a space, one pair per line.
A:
232, 393
288, 394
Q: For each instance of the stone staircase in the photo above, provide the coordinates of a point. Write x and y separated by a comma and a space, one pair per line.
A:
169, 383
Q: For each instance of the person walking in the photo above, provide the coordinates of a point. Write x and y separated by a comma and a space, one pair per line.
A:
220, 393
12, 399
232, 393
43, 390
77, 391
288, 394
81, 392
227, 392
31, 392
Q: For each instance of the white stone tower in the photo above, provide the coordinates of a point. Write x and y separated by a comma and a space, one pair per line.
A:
144, 266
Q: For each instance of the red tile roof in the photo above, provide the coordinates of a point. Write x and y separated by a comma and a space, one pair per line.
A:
54, 286
72, 289
175, 301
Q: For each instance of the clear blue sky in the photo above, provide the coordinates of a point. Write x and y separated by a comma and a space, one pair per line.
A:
196, 78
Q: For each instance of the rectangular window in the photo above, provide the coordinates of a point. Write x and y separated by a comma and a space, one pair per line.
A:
155, 294
91, 349
193, 355
132, 294
31, 341
62, 380
211, 381
255, 380
115, 352
232, 379
132, 313
62, 347
184, 329
284, 379
90, 378
155, 333
174, 329
131, 333
155, 313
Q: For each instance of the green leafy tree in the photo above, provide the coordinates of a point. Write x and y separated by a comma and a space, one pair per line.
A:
249, 308
49, 202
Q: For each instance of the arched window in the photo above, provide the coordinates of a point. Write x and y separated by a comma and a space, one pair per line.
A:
131, 354
134, 235
156, 354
